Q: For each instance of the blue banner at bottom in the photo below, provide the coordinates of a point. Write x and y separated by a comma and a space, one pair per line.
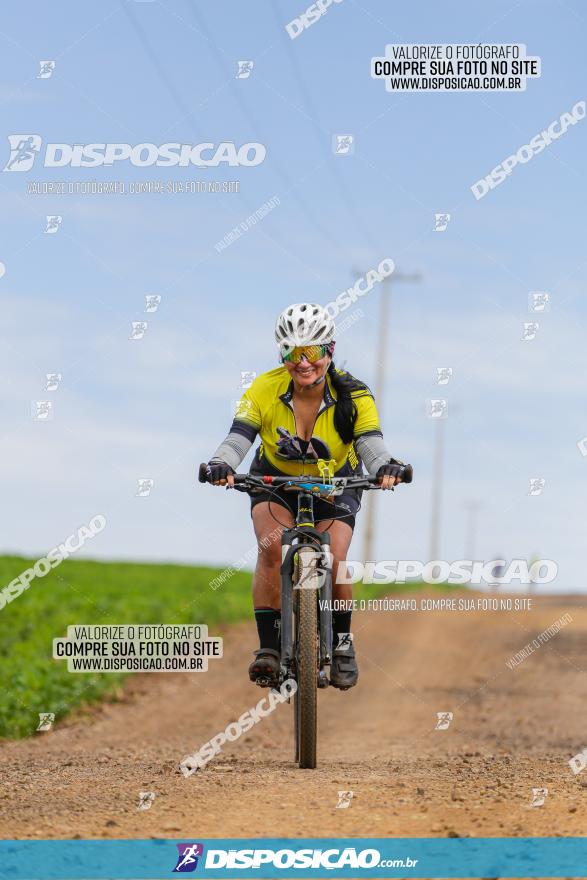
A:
287, 857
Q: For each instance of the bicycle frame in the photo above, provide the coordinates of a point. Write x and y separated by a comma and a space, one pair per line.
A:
305, 532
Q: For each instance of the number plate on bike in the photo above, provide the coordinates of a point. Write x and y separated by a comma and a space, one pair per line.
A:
324, 490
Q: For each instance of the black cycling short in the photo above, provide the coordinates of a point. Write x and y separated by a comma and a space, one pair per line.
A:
345, 506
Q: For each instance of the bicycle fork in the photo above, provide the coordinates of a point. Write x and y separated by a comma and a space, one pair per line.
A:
291, 542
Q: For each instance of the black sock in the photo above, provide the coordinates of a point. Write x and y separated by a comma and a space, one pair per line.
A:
341, 623
269, 627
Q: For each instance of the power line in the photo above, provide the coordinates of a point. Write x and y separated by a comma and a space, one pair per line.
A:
175, 94
253, 120
149, 51
344, 192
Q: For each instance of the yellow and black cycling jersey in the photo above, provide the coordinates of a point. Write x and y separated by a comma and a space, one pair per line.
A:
267, 406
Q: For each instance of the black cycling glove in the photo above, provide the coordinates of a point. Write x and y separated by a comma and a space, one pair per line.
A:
393, 468
218, 470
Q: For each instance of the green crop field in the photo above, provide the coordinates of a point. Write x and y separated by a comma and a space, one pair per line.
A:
80, 592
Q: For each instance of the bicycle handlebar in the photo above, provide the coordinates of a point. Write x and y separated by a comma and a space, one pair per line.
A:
251, 481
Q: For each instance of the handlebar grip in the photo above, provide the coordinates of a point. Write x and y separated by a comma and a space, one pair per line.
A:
203, 473
408, 473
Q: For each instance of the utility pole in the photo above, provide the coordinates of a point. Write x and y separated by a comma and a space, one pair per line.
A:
472, 508
437, 477
380, 376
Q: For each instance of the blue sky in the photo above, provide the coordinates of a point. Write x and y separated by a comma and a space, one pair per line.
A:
158, 72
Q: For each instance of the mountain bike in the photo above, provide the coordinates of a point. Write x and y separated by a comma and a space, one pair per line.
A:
306, 594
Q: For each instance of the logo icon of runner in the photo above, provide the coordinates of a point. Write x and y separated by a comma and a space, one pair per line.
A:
444, 719
46, 69
189, 853
343, 144
23, 150
441, 222
245, 68
345, 640
53, 223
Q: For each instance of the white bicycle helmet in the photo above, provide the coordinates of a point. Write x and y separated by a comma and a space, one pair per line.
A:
304, 324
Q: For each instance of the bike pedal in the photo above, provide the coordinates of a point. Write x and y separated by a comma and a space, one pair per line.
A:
323, 680
265, 682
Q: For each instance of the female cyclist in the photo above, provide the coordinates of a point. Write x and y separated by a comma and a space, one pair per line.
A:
304, 410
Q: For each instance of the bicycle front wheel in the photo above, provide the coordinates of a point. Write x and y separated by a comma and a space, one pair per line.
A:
306, 639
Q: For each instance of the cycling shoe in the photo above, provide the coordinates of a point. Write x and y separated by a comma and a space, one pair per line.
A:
264, 670
344, 672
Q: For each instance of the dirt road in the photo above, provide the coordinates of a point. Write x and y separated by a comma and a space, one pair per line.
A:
512, 731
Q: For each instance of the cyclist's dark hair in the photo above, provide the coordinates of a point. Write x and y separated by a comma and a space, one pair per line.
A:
345, 410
